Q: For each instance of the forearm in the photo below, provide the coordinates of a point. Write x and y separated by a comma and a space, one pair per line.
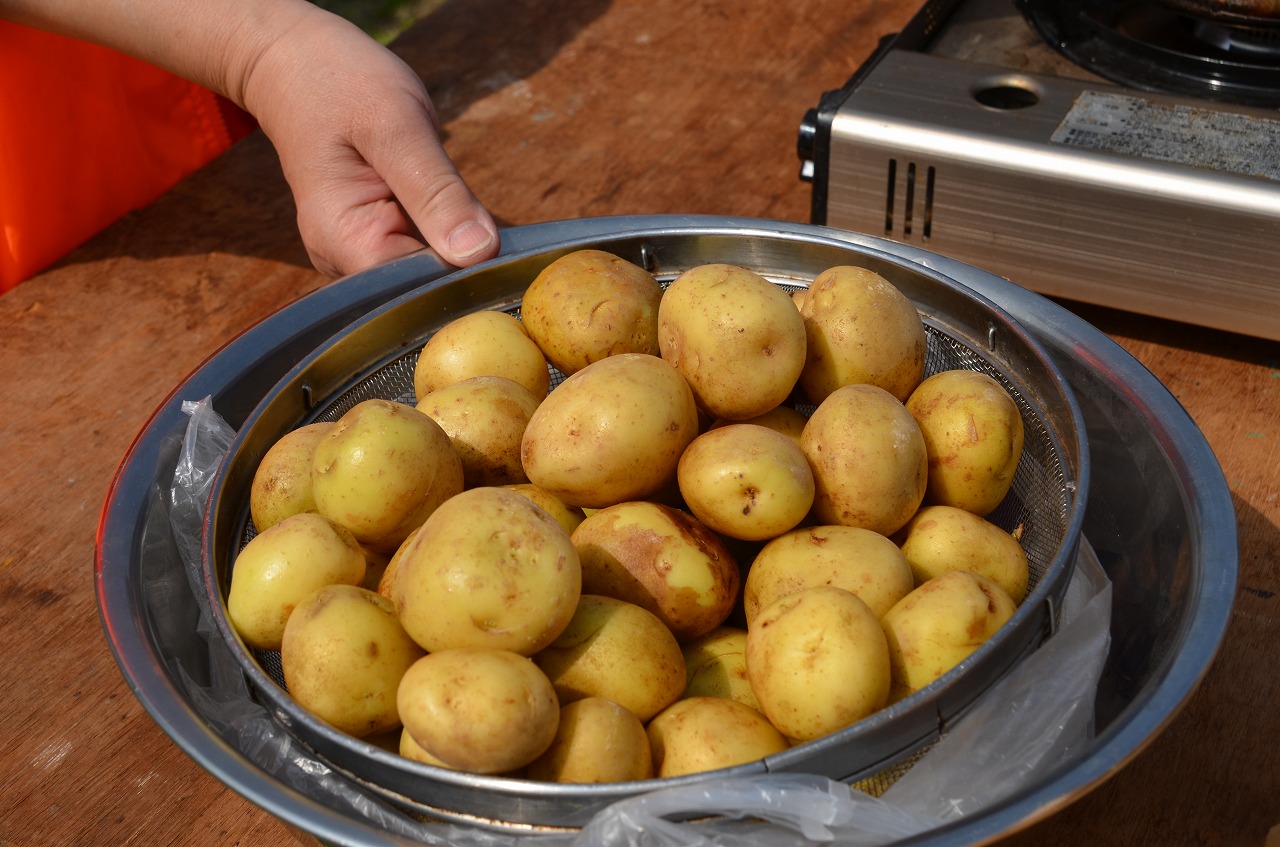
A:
215, 43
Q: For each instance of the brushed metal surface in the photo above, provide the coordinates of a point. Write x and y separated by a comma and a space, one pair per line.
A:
916, 157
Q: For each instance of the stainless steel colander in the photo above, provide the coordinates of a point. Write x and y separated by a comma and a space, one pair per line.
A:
375, 355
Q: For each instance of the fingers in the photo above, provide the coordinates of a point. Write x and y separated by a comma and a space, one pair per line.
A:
431, 192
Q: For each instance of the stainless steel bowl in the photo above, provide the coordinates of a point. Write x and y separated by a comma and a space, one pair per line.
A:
1161, 542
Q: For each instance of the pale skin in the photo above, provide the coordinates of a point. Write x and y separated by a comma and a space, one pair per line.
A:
355, 130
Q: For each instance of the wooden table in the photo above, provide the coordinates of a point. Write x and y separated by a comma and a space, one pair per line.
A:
565, 110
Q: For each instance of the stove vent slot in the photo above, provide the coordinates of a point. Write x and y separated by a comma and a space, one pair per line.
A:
910, 207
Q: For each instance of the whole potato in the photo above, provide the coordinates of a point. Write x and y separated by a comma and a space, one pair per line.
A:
613, 431
938, 539
868, 458
588, 305
619, 651
484, 343
343, 656
661, 559
381, 470
280, 566
484, 417
282, 483
478, 709
937, 626
716, 666
701, 734
860, 328
488, 569
818, 661
567, 516
858, 560
597, 741
735, 336
746, 481
973, 433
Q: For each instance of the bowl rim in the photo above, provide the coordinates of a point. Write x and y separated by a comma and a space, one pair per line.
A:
128, 633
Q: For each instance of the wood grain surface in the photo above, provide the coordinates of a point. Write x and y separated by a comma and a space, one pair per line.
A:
551, 110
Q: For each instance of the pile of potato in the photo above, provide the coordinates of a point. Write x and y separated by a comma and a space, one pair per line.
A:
659, 567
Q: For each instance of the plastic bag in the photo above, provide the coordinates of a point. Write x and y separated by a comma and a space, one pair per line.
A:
1042, 712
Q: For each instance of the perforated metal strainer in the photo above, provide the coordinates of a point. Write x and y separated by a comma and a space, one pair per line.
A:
375, 357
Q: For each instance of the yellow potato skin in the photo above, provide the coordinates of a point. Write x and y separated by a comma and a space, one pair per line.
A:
485, 418
939, 624
869, 462
938, 539
973, 432
746, 481
783, 419
736, 337
567, 516
282, 482
488, 569
860, 328
611, 432
343, 655
597, 741
485, 343
588, 305
716, 666
478, 709
858, 560
619, 651
661, 559
280, 566
699, 734
818, 661
381, 470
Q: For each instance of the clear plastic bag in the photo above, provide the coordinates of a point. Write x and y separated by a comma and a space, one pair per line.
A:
1041, 712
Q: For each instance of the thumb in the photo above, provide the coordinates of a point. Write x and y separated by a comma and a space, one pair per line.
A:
451, 219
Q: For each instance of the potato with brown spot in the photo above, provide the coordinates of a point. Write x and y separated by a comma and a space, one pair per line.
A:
938, 539
870, 467
588, 305
973, 432
343, 655
858, 560
282, 482
939, 624
484, 343
597, 741
860, 328
746, 481
700, 734
488, 569
818, 662
382, 470
612, 432
661, 559
485, 418
280, 567
735, 336
479, 710
619, 651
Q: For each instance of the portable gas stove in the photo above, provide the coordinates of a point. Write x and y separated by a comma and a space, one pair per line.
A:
1119, 153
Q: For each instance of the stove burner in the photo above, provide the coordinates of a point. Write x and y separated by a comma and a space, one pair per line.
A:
1149, 46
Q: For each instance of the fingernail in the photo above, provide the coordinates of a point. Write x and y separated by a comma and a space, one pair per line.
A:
470, 238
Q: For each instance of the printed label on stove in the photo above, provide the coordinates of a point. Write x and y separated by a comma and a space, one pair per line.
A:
1203, 138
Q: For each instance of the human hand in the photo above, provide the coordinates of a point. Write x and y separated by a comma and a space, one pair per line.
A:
357, 136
